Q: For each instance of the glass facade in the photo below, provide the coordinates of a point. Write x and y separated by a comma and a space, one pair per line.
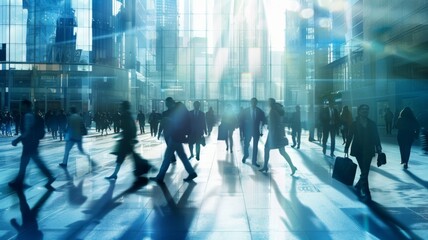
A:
95, 53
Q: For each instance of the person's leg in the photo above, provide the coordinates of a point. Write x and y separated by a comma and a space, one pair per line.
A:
332, 140
288, 159
266, 157
119, 160
25, 159
247, 140
230, 136
191, 149
42, 166
169, 154
325, 132
198, 149
255, 148
182, 155
299, 136
406, 153
293, 137
68, 145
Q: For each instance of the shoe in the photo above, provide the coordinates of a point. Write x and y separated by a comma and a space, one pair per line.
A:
405, 166
332, 155
298, 147
63, 165
197, 158
112, 177
293, 145
323, 151
191, 156
293, 170
231, 150
256, 164
227, 148
244, 159
264, 169
156, 179
190, 177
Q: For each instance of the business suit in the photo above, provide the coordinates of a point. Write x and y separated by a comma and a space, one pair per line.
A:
198, 128
330, 120
253, 118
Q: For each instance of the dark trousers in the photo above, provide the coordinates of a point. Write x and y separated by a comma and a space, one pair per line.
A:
329, 130
27, 153
405, 152
364, 163
247, 140
296, 135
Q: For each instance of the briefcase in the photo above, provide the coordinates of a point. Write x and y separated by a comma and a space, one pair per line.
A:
344, 170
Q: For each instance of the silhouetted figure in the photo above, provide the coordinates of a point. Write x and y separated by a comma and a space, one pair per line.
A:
74, 135
176, 130
154, 119
389, 117
62, 124
276, 137
29, 229
229, 122
408, 131
296, 128
17, 120
141, 118
210, 118
241, 124
346, 122
32, 131
253, 119
365, 140
126, 144
330, 121
198, 128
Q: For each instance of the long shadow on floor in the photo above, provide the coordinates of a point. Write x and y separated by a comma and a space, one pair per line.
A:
99, 209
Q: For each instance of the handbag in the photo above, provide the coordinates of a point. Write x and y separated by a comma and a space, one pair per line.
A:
381, 159
344, 170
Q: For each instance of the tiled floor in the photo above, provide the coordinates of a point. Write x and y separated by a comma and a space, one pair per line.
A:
228, 199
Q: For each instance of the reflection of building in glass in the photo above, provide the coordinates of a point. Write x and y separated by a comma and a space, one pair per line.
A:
93, 54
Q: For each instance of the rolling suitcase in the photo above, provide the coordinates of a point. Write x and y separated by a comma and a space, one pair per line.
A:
344, 170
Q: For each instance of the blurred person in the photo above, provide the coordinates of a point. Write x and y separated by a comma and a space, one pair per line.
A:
32, 130
74, 135
125, 145
364, 136
229, 121
408, 131
346, 122
276, 138
141, 118
388, 117
296, 128
210, 118
253, 119
198, 128
176, 130
330, 121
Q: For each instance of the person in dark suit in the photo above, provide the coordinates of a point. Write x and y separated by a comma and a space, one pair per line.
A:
198, 128
253, 119
330, 121
408, 131
364, 136
176, 130
210, 119
30, 144
141, 121
276, 137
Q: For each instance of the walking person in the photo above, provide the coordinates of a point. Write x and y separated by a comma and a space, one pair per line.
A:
253, 118
198, 128
346, 122
74, 135
126, 144
389, 117
176, 128
296, 128
229, 122
62, 124
154, 123
276, 137
141, 118
365, 140
330, 121
32, 130
408, 131
210, 119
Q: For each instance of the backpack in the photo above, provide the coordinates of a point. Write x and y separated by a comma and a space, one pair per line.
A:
39, 127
